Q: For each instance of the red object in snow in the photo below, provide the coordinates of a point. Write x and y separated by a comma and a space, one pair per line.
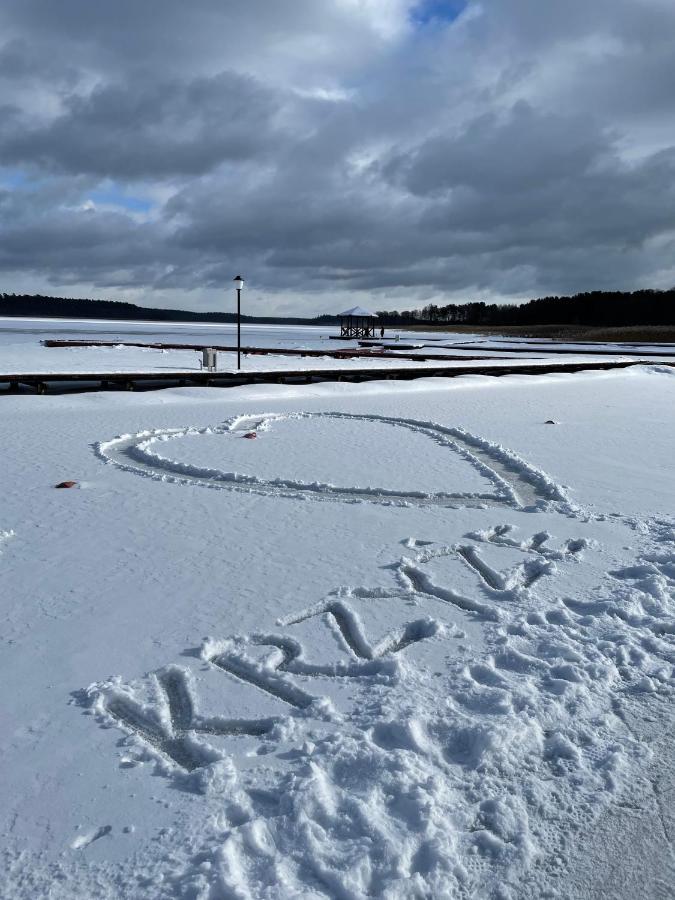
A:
66, 484
251, 435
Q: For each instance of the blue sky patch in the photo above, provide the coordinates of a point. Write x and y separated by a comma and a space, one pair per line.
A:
113, 196
430, 12
12, 178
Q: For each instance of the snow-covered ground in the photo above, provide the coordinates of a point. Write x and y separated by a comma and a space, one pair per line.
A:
21, 349
410, 641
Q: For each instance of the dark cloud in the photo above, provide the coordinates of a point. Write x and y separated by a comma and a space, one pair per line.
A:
521, 151
328, 146
147, 130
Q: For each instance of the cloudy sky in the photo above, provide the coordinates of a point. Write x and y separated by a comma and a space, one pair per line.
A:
382, 152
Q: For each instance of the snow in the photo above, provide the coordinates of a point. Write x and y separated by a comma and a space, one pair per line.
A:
412, 641
21, 349
358, 312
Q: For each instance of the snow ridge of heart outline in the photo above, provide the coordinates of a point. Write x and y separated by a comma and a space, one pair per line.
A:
517, 484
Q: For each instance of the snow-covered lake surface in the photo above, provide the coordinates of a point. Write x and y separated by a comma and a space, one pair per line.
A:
410, 641
21, 349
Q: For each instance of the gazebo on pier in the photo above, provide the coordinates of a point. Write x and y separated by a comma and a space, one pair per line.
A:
357, 323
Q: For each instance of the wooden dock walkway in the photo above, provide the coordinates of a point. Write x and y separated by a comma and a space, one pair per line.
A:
348, 353
67, 382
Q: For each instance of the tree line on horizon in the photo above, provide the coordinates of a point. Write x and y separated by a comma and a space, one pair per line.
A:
83, 308
644, 307
604, 308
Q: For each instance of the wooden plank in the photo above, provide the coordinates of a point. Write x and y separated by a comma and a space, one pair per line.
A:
42, 381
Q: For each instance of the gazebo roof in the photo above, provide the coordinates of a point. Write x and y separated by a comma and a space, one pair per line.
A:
358, 312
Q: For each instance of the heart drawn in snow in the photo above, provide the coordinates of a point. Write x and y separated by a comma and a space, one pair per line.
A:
336, 456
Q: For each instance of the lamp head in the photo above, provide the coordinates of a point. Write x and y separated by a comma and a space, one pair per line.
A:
238, 282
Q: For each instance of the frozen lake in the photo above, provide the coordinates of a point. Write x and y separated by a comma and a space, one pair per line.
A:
21, 349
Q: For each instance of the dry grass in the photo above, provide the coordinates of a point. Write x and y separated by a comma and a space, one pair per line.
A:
639, 333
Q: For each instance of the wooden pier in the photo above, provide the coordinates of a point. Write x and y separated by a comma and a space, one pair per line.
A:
67, 382
348, 353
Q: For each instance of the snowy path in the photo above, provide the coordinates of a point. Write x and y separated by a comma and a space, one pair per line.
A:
437, 683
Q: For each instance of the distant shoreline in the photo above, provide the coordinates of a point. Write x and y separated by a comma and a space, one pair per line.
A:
639, 333
651, 334
95, 320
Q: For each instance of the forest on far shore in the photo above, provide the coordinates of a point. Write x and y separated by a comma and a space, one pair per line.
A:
595, 308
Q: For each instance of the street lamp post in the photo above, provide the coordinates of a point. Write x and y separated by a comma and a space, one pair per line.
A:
238, 283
